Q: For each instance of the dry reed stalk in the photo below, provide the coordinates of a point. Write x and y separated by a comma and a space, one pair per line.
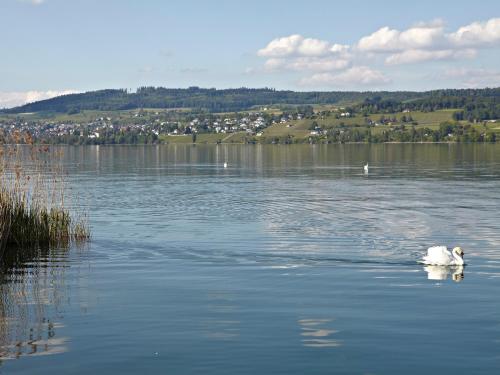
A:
32, 199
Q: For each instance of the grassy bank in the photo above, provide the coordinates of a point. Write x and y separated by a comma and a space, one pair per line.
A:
32, 201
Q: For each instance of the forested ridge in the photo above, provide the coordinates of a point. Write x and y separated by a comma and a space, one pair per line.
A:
212, 100
472, 104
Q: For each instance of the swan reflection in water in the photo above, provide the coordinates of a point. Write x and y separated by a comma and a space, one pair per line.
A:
442, 272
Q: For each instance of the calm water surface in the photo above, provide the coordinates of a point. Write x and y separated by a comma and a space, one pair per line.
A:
289, 261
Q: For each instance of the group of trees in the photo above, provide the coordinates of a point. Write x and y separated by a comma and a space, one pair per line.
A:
478, 112
126, 138
447, 132
474, 104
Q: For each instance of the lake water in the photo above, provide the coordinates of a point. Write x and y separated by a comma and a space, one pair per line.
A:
289, 261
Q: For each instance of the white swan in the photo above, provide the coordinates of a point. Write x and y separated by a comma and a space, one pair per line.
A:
225, 164
365, 168
440, 256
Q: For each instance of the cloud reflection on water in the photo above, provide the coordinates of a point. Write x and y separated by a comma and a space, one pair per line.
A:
222, 322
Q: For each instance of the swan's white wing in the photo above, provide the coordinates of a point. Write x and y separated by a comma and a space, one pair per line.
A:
438, 251
438, 255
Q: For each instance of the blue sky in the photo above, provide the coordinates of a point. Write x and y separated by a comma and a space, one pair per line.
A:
54, 46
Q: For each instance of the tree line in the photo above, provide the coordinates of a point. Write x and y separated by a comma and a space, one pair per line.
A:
447, 132
472, 105
212, 100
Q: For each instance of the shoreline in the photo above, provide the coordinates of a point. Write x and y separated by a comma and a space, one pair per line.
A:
249, 144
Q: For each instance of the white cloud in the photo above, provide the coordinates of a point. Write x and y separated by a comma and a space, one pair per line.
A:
426, 42
358, 75
323, 64
313, 47
295, 45
306, 64
477, 34
339, 48
274, 64
391, 40
383, 39
16, 98
281, 46
297, 53
420, 55
340, 64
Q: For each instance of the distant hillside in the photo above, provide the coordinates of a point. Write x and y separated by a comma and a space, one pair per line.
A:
212, 100
485, 101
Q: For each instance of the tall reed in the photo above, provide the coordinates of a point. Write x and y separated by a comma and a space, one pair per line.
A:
32, 199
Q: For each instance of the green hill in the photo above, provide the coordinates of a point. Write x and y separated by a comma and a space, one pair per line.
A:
470, 104
211, 100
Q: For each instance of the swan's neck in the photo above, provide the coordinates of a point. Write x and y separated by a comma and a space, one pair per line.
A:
459, 261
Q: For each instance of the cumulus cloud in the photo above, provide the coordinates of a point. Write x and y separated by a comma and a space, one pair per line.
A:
306, 64
336, 63
295, 45
298, 53
16, 98
477, 34
420, 55
313, 47
430, 42
391, 40
340, 48
331, 63
281, 46
357, 75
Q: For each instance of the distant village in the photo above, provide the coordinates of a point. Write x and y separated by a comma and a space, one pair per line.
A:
142, 126
323, 125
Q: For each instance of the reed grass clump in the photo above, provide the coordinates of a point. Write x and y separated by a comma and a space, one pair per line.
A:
32, 200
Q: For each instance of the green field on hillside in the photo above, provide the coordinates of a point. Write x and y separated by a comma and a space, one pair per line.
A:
302, 128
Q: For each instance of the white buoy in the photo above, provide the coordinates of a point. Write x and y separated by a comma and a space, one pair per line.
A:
365, 168
225, 165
